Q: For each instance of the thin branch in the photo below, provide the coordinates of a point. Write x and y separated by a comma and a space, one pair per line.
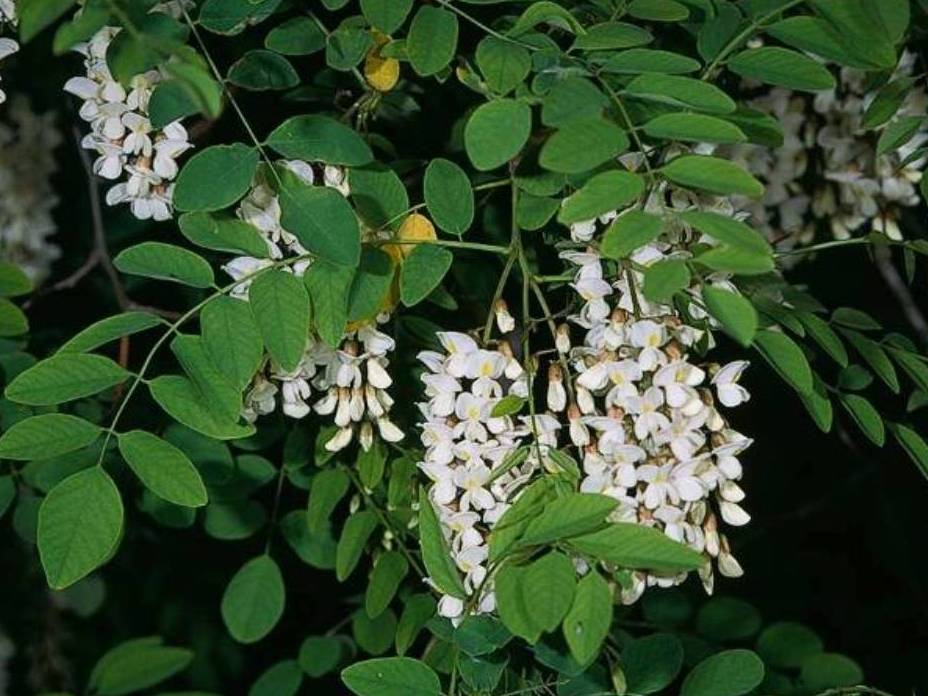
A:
898, 287
99, 255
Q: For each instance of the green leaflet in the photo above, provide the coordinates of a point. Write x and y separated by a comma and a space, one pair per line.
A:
319, 138
603, 193
391, 676
80, 524
65, 377
581, 145
496, 132
734, 312
215, 178
435, 552
633, 546
534, 599
260, 70
109, 329
589, 619
786, 358
782, 67
47, 435
728, 673
389, 571
449, 196
358, 529
280, 308
253, 601
165, 262
181, 400
423, 271
136, 665
232, 339
281, 679
163, 468
432, 39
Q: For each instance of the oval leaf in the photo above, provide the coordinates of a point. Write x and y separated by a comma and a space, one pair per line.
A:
80, 524
163, 468
254, 599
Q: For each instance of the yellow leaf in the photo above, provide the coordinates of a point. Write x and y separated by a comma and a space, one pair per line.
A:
414, 228
381, 73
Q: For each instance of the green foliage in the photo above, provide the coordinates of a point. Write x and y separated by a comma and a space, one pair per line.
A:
496, 132
515, 171
448, 196
65, 377
166, 262
392, 676
280, 309
163, 468
253, 601
80, 524
215, 178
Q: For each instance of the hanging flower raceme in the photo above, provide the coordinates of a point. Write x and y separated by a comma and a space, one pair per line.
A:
129, 149
466, 453
645, 419
7, 46
857, 186
27, 163
350, 383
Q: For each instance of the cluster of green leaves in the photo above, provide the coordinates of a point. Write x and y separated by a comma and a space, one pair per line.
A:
721, 649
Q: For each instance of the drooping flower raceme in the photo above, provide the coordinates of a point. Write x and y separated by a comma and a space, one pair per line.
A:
27, 164
350, 384
855, 187
465, 449
646, 420
7, 46
142, 159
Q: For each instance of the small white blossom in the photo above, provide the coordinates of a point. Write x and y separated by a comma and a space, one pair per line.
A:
645, 423
464, 447
121, 133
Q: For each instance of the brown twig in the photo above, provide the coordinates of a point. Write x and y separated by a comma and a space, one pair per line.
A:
101, 250
899, 288
100, 255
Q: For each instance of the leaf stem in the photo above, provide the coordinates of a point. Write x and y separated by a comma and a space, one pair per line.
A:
385, 521
527, 361
225, 88
629, 126
856, 241
454, 244
480, 25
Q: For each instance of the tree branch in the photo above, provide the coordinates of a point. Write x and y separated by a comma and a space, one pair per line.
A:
100, 254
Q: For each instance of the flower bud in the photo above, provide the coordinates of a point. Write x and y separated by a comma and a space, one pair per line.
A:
504, 320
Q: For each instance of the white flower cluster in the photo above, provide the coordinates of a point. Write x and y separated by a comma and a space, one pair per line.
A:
7, 46
352, 380
782, 214
27, 163
854, 186
644, 416
128, 148
465, 446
